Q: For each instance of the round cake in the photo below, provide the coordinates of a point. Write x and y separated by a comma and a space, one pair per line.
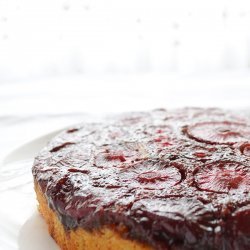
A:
177, 179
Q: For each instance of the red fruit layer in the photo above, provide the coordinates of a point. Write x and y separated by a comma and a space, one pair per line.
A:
176, 179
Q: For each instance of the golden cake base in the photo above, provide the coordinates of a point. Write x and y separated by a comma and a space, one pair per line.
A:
80, 239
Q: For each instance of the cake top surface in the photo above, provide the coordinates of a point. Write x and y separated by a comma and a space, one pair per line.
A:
179, 178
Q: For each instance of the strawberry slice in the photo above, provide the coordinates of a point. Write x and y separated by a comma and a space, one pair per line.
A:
223, 177
157, 176
224, 132
120, 155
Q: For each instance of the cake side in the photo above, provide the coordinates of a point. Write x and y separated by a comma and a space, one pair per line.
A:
79, 239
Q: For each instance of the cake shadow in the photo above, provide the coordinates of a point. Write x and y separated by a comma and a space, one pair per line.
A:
34, 235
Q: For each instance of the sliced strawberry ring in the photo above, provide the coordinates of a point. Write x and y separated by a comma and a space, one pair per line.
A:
223, 132
222, 177
157, 175
120, 155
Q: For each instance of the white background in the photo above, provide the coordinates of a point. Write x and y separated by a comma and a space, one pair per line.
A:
45, 38
67, 56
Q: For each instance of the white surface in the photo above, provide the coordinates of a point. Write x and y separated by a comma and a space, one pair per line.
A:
61, 95
21, 226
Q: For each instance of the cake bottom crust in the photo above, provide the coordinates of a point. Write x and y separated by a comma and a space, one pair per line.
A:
79, 239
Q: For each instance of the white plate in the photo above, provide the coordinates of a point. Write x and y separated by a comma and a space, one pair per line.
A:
21, 226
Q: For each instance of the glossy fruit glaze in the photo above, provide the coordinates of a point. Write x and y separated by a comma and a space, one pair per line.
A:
175, 179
